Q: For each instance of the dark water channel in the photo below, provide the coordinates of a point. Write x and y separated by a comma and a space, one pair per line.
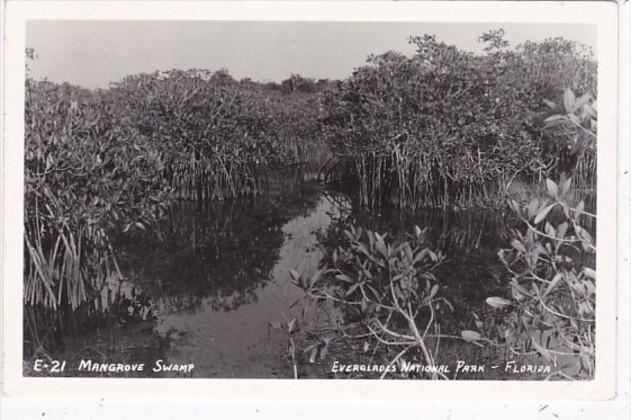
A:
220, 273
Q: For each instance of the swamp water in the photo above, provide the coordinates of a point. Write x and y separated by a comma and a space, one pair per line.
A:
207, 292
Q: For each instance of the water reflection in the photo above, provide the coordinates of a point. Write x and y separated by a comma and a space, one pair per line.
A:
239, 343
219, 253
220, 273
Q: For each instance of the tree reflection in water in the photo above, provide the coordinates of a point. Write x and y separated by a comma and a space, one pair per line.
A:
219, 252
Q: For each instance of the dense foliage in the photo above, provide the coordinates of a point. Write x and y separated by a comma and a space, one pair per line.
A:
553, 283
87, 174
101, 163
218, 134
384, 293
552, 263
443, 128
449, 127
550, 270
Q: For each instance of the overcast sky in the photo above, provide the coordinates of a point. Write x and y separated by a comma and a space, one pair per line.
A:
95, 53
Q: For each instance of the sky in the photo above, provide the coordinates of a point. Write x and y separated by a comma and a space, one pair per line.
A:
93, 54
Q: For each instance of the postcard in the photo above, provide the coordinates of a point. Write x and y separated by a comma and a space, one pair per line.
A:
310, 199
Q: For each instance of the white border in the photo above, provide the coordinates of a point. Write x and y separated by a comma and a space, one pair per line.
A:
601, 13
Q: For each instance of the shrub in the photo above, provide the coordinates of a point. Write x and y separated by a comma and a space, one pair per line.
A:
447, 127
385, 294
104, 163
552, 264
553, 283
218, 135
86, 177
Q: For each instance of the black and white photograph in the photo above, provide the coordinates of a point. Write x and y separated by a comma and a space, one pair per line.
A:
348, 201
303, 209
310, 200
